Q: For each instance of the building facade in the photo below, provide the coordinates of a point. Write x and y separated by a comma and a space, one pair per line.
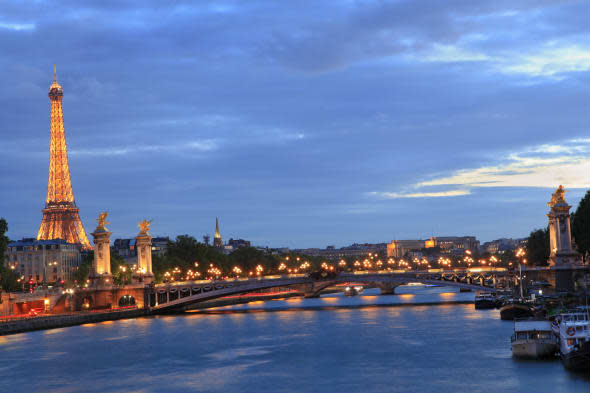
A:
399, 248
43, 260
359, 251
126, 248
447, 245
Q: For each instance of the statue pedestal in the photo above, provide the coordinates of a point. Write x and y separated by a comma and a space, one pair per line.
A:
142, 278
565, 259
100, 274
100, 280
143, 245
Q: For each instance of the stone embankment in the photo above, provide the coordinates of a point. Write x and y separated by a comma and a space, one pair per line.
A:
64, 320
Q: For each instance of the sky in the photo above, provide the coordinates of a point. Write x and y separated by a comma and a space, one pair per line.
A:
299, 123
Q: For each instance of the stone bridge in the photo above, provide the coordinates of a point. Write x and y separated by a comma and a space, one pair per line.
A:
179, 296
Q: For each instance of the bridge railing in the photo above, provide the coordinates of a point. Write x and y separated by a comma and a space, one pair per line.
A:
408, 272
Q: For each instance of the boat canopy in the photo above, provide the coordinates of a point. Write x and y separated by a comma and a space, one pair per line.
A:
525, 326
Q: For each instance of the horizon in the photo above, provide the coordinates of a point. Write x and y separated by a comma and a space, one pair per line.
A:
388, 121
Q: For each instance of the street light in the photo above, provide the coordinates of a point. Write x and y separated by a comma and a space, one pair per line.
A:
520, 253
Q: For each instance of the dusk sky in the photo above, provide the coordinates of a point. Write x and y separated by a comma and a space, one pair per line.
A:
299, 123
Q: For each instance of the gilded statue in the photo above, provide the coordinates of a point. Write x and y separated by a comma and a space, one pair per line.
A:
102, 220
558, 196
144, 226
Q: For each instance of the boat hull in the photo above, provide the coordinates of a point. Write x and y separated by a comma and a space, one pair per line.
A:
537, 349
511, 311
485, 304
577, 360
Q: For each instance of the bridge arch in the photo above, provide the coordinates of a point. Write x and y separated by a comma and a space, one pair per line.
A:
177, 297
127, 300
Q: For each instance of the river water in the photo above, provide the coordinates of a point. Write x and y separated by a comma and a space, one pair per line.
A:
367, 343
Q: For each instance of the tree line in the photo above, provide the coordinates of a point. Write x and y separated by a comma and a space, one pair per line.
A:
186, 253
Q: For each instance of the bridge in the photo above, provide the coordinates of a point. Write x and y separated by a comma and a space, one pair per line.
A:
180, 296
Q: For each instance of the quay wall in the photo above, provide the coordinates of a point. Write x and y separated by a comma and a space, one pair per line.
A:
59, 321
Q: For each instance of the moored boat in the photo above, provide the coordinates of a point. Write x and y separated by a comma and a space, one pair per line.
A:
573, 330
533, 339
485, 301
515, 309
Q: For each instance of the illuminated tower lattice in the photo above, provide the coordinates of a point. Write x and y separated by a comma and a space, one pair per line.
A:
60, 216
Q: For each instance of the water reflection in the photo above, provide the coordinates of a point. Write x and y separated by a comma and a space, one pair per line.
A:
329, 344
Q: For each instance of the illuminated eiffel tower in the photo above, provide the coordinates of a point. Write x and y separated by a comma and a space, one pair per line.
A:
60, 216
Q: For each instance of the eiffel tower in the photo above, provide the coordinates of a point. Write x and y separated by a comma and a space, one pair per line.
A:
61, 219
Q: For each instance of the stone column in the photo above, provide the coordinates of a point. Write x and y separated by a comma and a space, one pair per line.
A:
101, 266
143, 246
558, 233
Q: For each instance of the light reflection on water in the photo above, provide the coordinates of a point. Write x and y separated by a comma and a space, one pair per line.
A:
377, 344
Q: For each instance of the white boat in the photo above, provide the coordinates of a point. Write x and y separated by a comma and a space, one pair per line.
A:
573, 330
533, 339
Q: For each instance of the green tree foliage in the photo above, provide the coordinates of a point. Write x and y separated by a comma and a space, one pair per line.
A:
581, 227
247, 258
8, 278
3, 238
122, 273
185, 251
537, 247
81, 274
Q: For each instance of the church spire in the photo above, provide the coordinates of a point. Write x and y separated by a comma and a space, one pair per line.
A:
217, 242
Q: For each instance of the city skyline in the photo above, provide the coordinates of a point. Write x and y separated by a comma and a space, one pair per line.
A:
295, 131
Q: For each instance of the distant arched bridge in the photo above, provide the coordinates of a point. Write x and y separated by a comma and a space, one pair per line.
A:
179, 296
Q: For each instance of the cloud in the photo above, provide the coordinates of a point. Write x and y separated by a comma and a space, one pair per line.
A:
452, 53
17, 26
549, 62
200, 146
435, 194
543, 166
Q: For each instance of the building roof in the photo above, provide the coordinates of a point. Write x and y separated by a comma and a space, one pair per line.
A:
35, 242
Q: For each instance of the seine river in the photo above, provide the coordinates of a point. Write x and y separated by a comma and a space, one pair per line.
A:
331, 344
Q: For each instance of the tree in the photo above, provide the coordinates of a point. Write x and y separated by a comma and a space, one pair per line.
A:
8, 278
581, 227
81, 274
3, 239
121, 272
537, 247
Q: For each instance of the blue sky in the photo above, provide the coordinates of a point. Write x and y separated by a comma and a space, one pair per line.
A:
299, 123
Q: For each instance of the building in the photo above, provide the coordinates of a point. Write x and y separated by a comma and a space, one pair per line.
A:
160, 245
355, 250
237, 243
502, 245
456, 245
126, 249
61, 219
43, 260
449, 243
217, 241
399, 248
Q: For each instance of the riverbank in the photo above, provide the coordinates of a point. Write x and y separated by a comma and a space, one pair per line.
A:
65, 320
